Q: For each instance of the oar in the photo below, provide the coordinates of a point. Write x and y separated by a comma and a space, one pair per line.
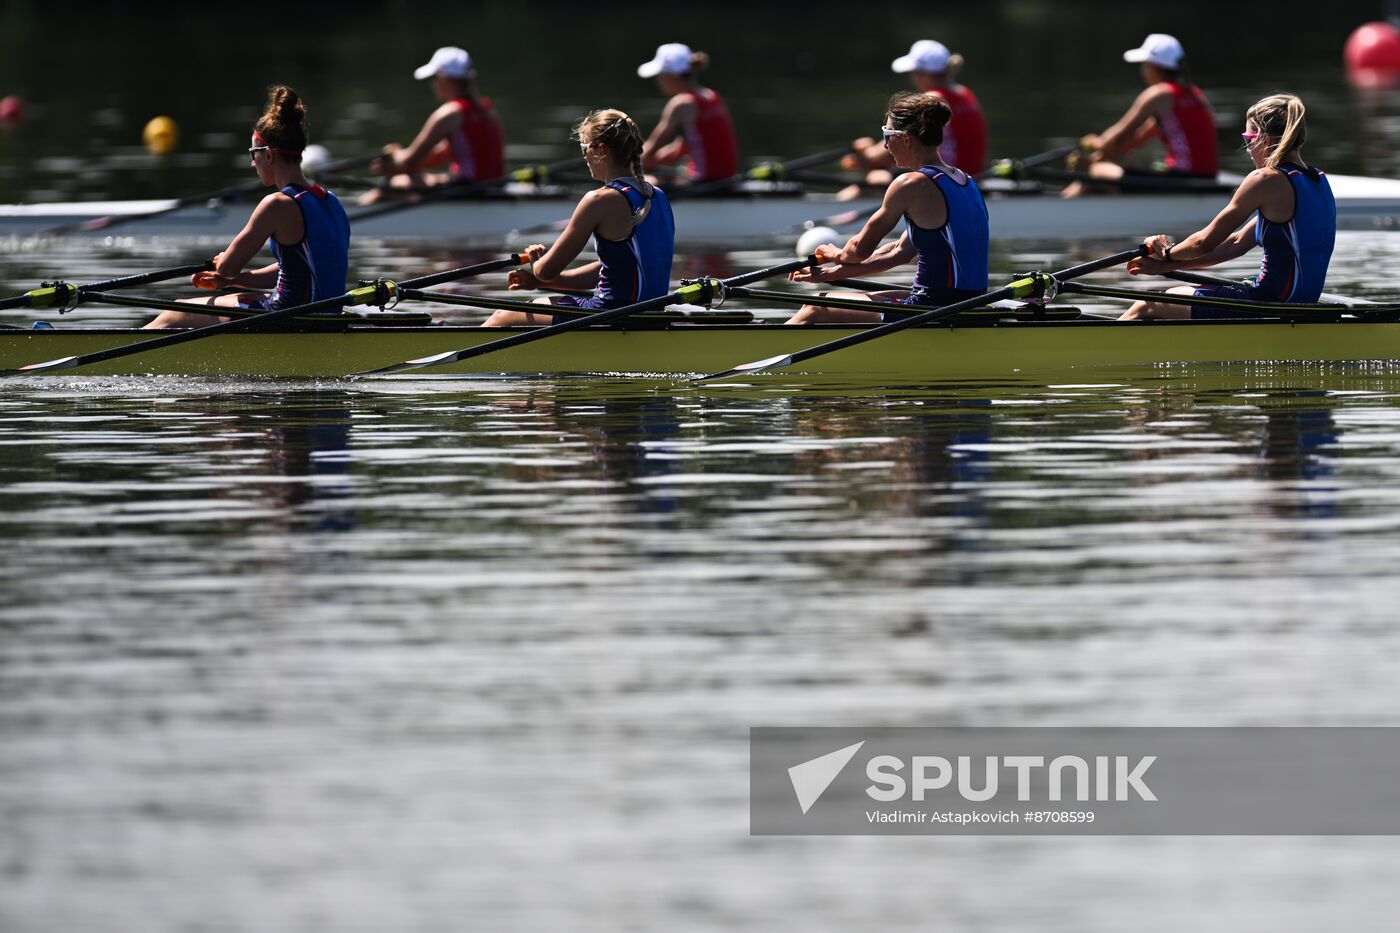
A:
1143, 184
452, 190
379, 292
60, 294
1017, 168
1003, 168
221, 195
1269, 308
776, 171
696, 292
1030, 285
1203, 278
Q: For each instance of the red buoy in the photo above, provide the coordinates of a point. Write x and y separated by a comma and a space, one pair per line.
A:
1373, 56
11, 110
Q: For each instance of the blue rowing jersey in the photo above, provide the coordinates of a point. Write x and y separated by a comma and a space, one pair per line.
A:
315, 268
1296, 253
955, 254
639, 267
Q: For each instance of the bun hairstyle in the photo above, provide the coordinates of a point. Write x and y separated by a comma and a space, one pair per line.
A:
699, 61
955, 63
283, 123
1282, 117
922, 116
618, 132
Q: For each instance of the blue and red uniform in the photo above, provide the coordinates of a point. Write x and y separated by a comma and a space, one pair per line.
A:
637, 268
316, 267
1296, 252
952, 258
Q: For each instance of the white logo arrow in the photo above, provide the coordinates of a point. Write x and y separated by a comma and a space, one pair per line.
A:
811, 778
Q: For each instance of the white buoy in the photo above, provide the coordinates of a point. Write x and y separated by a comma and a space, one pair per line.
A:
809, 241
314, 158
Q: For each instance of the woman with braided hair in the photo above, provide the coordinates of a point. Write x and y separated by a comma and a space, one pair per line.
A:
303, 224
945, 219
629, 220
1295, 223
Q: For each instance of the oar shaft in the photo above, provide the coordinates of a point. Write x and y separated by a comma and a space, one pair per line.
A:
61, 293
1020, 288
686, 292
364, 295
453, 190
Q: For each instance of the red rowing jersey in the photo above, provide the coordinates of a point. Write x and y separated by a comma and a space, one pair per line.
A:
710, 140
478, 145
965, 136
1188, 132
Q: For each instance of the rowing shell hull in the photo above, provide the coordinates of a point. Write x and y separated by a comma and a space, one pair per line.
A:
1362, 203
982, 350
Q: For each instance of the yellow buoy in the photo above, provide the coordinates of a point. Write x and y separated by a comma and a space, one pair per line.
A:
160, 136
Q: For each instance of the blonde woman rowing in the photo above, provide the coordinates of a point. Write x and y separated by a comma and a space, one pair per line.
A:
1295, 222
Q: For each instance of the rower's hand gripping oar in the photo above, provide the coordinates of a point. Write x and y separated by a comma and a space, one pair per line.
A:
380, 292
1031, 285
63, 296
699, 292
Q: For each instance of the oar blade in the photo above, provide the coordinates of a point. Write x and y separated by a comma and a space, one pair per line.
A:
743, 369
66, 362
439, 359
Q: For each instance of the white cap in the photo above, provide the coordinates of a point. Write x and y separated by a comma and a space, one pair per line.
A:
924, 55
673, 58
448, 61
1158, 49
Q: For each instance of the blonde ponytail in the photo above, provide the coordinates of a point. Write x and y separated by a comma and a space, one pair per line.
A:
1283, 117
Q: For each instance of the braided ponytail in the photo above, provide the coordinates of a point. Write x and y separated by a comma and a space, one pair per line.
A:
618, 132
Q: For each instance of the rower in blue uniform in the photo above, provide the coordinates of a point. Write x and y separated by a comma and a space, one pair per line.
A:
303, 224
945, 219
630, 221
1295, 223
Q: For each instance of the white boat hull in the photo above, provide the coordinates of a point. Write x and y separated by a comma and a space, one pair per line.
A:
1362, 203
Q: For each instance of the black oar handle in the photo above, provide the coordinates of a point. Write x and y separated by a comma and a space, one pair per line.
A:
61, 295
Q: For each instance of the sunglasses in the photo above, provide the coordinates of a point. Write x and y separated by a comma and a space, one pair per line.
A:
1249, 139
886, 133
256, 149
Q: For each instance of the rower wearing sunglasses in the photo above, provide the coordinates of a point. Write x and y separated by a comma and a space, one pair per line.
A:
945, 218
302, 223
1295, 223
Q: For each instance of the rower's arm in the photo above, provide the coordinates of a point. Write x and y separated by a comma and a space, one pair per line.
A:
273, 214
550, 268
883, 258
1135, 127
863, 245
1227, 236
434, 132
665, 146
